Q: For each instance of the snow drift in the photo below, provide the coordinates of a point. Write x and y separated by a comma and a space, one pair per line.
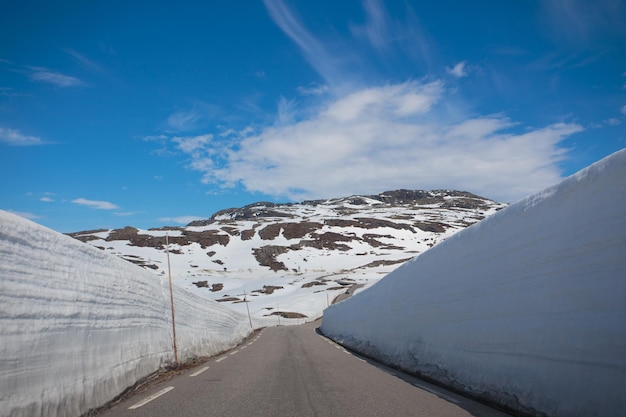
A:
78, 325
526, 308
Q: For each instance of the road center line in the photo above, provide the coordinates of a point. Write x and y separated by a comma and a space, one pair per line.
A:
150, 398
199, 371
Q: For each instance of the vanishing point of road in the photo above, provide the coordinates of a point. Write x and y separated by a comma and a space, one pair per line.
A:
293, 371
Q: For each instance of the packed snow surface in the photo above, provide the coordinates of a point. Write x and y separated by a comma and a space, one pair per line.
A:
79, 325
526, 308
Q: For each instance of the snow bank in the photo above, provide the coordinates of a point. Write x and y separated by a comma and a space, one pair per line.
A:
526, 308
78, 325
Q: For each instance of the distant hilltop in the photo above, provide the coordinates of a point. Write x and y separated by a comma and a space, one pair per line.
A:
376, 230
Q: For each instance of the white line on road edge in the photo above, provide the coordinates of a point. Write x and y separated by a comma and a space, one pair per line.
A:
199, 371
220, 359
150, 398
232, 353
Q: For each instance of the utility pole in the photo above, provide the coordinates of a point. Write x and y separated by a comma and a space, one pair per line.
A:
169, 269
245, 299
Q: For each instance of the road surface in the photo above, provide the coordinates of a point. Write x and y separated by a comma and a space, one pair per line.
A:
293, 371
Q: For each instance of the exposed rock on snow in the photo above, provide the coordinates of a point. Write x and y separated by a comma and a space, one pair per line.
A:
526, 308
289, 244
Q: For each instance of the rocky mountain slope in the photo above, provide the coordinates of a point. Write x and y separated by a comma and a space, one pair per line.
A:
323, 243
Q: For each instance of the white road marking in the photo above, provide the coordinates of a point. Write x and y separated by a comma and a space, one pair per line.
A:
150, 398
243, 347
220, 359
232, 353
199, 371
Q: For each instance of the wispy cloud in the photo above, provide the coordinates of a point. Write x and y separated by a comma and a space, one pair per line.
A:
9, 92
43, 75
126, 213
86, 62
313, 90
286, 111
376, 28
195, 118
314, 51
623, 109
14, 137
180, 219
580, 22
95, 204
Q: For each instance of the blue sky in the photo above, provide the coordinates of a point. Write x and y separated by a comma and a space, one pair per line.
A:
158, 113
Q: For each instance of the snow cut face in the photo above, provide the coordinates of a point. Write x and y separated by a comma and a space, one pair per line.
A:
526, 307
79, 325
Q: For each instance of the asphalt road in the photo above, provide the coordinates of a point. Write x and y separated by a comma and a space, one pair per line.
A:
294, 371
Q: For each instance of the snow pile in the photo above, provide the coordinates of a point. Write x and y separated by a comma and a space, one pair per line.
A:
526, 308
78, 325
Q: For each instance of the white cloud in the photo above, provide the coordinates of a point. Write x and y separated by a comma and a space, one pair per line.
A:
399, 100
155, 138
459, 70
15, 138
46, 199
623, 109
394, 136
192, 144
100, 205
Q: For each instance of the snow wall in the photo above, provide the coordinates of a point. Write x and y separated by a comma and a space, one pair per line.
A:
526, 308
78, 326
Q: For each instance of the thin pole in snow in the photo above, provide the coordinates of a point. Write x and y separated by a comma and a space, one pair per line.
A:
169, 270
245, 298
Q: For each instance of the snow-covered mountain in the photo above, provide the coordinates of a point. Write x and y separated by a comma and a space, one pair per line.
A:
277, 255
526, 308
78, 325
